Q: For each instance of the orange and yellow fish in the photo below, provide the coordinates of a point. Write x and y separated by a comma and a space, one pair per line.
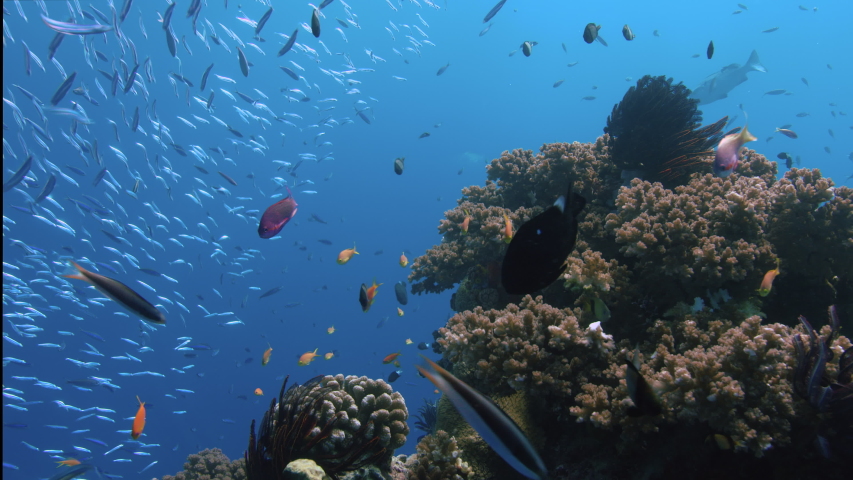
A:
466, 223
403, 260
409, 341
307, 358
767, 283
329, 355
138, 420
266, 358
391, 358
259, 392
400, 312
346, 254
330, 330
68, 462
507, 229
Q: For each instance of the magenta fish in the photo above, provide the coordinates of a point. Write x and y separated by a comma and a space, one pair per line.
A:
277, 216
726, 159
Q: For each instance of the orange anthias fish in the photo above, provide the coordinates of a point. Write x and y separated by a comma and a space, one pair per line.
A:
767, 283
400, 312
120, 293
465, 223
266, 358
259, 392
391, 358
403, 260
307, 358
68, 462
330, 330
329, 355
346, 255
507, 229
138, 421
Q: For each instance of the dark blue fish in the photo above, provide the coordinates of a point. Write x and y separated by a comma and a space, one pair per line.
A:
287, 46
99, 177
76, 170
170, 42
494, 11
290, 73
262, 22
325, 4
363, 117
315, 23
64, 87
195, 6
135, 124
19, 174
271, 291
244, 64
54, 45
48, 187
107, 266
125, 9
153, 273
94, 335
112, 237
167, 16
128, 84
204, 78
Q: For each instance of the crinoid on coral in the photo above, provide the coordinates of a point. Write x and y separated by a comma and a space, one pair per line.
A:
656, 129
833, 399
427, 418
340, 423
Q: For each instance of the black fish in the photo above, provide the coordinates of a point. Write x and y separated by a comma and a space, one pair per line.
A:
710, 50
394, 376
536, 256
170, 42
641, 393
423, 346
99, 177
401, 292
244, 63
325, 4
399, 163
362, 298
442, 69
167, 16
590, 32
424, 135
315, 23
526, 48
287, 46
494, 11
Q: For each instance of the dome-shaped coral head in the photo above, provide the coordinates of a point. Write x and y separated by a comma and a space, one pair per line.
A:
656, 129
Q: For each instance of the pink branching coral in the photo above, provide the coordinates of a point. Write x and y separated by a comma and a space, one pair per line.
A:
210, 464
531, 346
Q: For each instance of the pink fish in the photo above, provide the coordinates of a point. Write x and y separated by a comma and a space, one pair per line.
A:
277, 216
726, 159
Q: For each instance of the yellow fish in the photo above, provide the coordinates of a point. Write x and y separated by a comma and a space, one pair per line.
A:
266, 358
403, 260
346, 255
409, 341
329, 355
400, 312
330, 330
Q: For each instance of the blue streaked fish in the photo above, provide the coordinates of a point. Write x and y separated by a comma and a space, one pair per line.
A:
496, 428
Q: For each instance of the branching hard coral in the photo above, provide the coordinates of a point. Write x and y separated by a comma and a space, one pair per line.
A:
438, 458
655, 129
210, 464
703, 236
531, 346
340, 423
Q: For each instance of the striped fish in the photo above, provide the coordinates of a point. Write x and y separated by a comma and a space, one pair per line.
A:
494, 426
121, 293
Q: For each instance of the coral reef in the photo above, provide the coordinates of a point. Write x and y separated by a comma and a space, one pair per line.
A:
438, 458
656, 131
342, 423
210, 464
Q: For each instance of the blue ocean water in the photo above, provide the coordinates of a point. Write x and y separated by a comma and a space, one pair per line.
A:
486, 101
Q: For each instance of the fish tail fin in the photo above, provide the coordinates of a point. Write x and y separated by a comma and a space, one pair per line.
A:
354, 250
75, 272
745, 136
754, 63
